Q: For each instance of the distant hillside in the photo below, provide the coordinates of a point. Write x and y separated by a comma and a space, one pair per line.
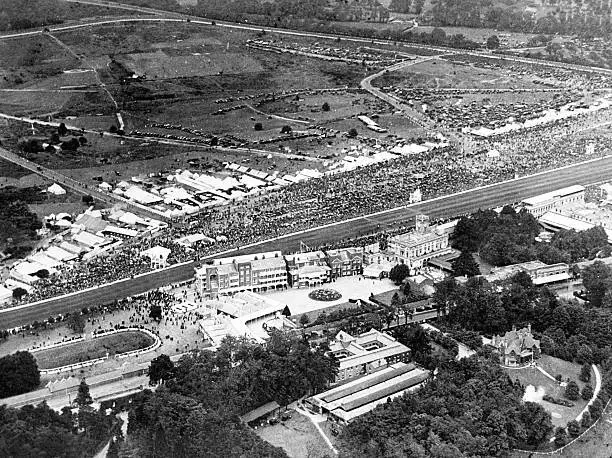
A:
587, 18
25, 14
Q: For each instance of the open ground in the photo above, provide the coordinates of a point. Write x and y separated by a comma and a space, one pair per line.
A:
92, 348
561, 415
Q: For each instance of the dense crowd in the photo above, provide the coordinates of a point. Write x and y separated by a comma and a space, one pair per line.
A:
340, 196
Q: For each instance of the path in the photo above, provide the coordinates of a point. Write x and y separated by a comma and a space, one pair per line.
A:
596, 391
316, 419
82, 188
282, 118
163, 141
366, 84
179, 17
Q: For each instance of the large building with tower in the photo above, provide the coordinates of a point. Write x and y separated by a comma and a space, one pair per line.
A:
415, 248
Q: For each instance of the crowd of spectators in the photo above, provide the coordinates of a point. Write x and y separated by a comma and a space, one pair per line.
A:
345, 195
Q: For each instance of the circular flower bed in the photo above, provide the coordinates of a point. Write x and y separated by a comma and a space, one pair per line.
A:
326, 295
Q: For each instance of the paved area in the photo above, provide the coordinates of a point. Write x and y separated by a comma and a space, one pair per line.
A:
355, 287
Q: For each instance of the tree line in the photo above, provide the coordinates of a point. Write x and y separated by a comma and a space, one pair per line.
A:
509, 238
471, 408
195, 412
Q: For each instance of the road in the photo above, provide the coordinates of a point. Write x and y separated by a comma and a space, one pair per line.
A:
366, 84
179, 17
164, 141
443, 207
109, 198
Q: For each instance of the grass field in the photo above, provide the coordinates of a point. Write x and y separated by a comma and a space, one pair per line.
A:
531, 376
297, 436
92, 348
439, 73
597, 443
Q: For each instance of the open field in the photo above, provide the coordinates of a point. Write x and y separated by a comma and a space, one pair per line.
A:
297, 436
73, 353
29, 59
439, 73
531, 376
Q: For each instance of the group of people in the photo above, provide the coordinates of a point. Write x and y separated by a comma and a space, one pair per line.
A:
336, 197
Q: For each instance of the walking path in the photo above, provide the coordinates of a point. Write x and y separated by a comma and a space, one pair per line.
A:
316, 419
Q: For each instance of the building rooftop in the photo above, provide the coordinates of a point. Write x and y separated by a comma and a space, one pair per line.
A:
415, 238
350, 400
537, 200
366, 347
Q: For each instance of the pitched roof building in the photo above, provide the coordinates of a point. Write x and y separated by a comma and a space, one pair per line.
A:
366, 353
517, 348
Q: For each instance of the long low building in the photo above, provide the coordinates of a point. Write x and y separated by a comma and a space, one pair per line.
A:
346, 402
555, 222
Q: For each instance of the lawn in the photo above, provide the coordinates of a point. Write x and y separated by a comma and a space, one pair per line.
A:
440, 73
597, 443
531, 376
92, 349
297, 436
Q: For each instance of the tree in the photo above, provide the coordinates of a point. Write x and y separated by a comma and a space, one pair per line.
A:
493, 42
258, 126
156, 312
82, 141
112, 129
398, 273
83, 397
19, 374
325, 106
585, 372
587, 392
18, 293
586, 420
62, 130
42, 273
76, 323
161, 369
87, 199
560, 436
113, 449
573, 428
438, 36
596, 409
352, 133
286, 129
465, 265
407, 289
304, 320
572, 391
597, 279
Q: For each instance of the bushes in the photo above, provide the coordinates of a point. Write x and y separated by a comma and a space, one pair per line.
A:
572, 391
470, 338
445, 342
558, 401
587, 392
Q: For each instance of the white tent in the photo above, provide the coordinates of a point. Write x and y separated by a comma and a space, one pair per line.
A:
56, 189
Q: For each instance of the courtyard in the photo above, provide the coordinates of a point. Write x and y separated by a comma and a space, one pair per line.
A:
355, 287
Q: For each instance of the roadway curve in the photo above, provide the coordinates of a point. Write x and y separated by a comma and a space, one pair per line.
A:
175, 16
448, 206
